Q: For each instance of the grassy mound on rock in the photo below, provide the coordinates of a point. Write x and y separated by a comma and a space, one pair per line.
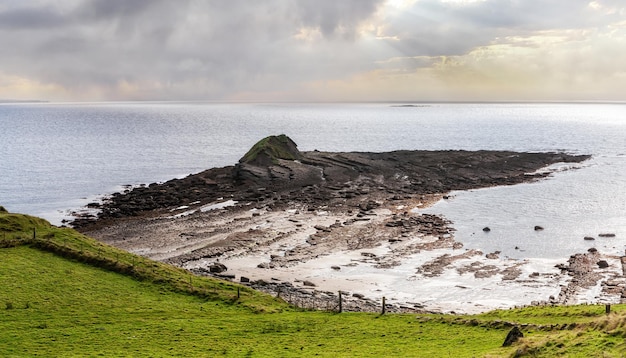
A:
268, 150
64, 294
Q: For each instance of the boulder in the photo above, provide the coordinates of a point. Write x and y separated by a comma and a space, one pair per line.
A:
538, 228
244, 279
217, 267
369, 205
486, 229
603, 264
607, 235
512, 337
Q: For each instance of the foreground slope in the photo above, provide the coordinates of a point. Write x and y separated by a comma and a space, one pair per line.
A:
61, 295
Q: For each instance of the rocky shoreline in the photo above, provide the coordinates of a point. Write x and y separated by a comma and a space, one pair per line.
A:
307, 225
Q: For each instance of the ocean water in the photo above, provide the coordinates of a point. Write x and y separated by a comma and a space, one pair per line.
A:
55, 158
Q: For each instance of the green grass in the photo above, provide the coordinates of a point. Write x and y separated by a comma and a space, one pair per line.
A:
63, 294
62, 307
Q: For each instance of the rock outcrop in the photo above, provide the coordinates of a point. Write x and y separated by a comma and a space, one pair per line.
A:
274, 169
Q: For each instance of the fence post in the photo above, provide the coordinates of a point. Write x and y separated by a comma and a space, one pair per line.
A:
34, 233
607, 308
383, 312
340, 302
238, 293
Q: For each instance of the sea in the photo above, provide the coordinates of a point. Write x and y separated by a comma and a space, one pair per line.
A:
57, 157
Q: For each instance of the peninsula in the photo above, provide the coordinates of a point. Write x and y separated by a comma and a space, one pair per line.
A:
310, 224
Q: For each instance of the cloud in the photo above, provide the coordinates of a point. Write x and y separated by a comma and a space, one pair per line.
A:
219, 47
304, 49
547, 65
335, 18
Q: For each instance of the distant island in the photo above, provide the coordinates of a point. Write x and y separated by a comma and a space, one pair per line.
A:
410, 105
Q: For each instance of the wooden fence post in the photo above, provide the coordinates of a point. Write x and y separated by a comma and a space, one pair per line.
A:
383, 311
340, 303
607, 308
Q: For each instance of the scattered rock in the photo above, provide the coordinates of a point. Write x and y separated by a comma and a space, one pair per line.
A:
308, 283
369, 205
538, 228
493, 255
336, 268
486, 229
589, 238
607, 235
244, 279
321, 228
226, 276
603, 264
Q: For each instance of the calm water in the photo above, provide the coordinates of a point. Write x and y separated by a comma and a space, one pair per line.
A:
58, 157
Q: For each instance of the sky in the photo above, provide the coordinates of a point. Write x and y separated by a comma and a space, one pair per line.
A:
313, 50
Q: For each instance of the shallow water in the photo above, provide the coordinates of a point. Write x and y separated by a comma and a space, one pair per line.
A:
57, 157
570, 206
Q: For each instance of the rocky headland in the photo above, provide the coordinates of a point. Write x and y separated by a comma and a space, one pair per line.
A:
306, 225
275, 172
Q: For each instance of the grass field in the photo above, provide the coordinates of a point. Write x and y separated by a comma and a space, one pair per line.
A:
65, 295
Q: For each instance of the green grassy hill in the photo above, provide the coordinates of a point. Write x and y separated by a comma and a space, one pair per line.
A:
63, 294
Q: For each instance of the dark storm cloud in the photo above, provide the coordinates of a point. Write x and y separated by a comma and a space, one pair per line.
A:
30, 18
107, 9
